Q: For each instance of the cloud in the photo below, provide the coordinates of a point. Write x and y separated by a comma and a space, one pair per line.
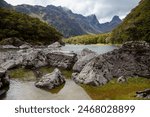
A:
104, 9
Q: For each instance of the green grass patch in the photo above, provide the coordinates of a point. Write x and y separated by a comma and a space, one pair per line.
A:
66, 73
118, 91
89, 39
22, 73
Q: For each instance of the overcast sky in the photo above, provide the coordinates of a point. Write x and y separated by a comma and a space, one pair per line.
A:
104, 9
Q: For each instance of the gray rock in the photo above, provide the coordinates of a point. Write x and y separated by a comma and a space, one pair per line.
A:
52, 80
34, 59
8, 65
9, 47
143, 94
83, 58
96, 72
132, 59
122, 79
25, 46
74, 75
4, 82
85, 52
2, 72
55, 45
61, 59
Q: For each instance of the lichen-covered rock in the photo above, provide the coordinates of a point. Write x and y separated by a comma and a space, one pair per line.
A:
34, 59
61, 59
83, 58
51, 80
132, 59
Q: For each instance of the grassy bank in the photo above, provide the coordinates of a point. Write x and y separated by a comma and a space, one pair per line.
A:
89, 39
117, 91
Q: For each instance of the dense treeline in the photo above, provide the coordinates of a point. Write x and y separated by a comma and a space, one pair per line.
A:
136, 26
89, 39
32, 30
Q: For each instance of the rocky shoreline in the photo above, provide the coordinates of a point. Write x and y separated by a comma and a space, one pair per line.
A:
130, 60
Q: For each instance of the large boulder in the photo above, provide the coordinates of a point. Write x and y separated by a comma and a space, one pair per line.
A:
33, 58
83, 58
4, 81
85, 52
9, 64
132, 59
51, 80
61, 59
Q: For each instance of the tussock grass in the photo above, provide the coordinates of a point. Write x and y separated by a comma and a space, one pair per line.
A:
118, 91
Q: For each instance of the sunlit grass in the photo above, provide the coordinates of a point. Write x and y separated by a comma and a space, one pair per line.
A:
120, 91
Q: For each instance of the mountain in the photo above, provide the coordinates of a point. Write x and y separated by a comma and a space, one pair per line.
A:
26, 28
67, 22
109, 26
4, 4
136, 26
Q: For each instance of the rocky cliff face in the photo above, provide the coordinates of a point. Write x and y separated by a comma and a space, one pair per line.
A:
132, 59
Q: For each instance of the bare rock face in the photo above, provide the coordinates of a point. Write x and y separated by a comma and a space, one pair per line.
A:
132, 59
34, 59
61, 59
52, 80
83, 58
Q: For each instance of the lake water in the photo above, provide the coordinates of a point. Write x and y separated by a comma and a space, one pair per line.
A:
97, 48
25, 90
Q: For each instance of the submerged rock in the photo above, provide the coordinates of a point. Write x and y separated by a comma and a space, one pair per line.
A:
132, 59
52, 80
83, 58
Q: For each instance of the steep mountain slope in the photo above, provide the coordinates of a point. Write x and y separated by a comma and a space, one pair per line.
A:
109, 26
136, 26
67, 22
32, 30
4, 4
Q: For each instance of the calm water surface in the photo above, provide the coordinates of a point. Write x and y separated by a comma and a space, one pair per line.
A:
25, 90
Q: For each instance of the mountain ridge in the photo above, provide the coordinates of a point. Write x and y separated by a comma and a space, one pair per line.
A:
67, 22
64, 20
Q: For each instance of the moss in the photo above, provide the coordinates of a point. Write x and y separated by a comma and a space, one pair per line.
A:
22, 73
66, 73
114, 90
